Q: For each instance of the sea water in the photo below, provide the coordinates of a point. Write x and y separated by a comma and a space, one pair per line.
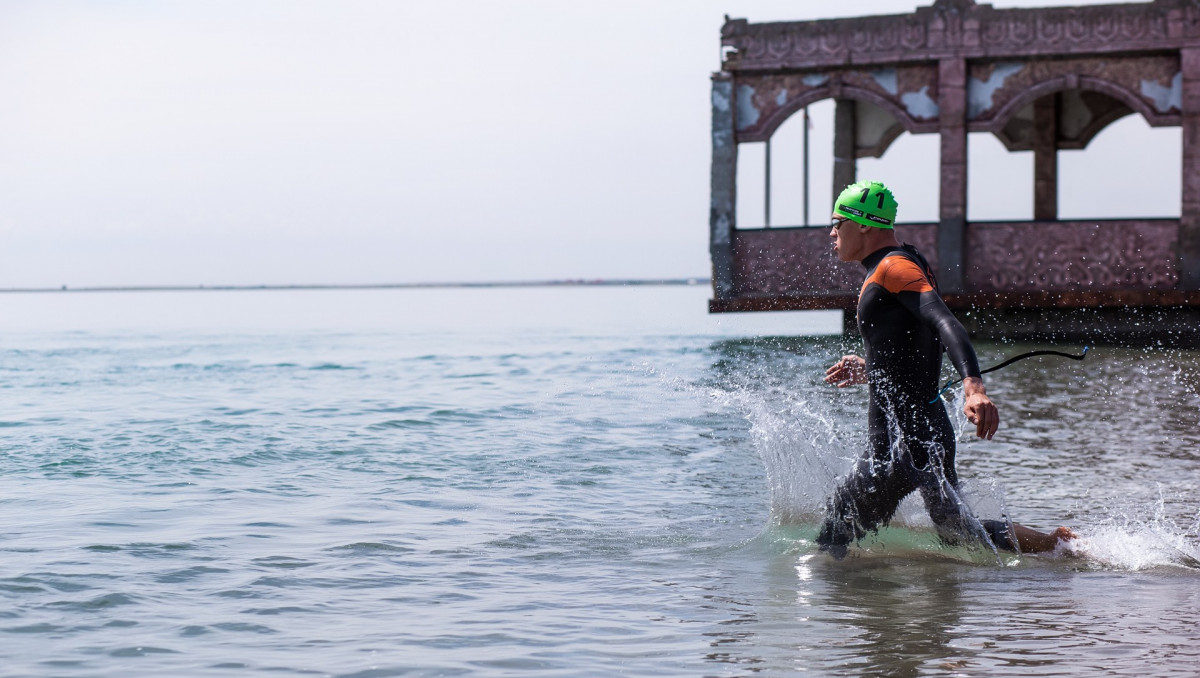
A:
553, 482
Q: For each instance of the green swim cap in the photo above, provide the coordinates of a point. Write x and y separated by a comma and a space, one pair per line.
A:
869, 203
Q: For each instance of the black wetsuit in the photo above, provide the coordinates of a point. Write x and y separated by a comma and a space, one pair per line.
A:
905, 327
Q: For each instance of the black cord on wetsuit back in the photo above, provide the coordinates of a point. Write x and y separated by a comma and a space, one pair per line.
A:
1010, 361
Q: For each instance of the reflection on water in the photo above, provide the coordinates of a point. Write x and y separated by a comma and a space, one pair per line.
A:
896, 619
911, 615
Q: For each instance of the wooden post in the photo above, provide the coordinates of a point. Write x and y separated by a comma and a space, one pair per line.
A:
722, 218
1045, 158
952, 208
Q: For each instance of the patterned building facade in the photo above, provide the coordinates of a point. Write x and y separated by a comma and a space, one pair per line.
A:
1040, 80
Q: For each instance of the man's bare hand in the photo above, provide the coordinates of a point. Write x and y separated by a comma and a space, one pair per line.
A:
851, 370
979, 408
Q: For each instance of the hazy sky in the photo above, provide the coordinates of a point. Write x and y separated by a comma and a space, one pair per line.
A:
368, 141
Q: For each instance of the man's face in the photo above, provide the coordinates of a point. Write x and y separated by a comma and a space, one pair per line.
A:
847, 238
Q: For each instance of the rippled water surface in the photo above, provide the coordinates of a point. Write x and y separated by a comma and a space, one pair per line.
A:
557, 482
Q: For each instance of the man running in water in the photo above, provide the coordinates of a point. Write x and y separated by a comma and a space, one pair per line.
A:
905, 327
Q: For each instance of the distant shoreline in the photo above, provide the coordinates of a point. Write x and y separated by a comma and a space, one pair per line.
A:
380, 286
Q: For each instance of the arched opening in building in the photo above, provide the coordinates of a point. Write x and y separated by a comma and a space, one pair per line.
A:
1129, 169
1108, 162
999, 181
910, 167
786, 191
908, 163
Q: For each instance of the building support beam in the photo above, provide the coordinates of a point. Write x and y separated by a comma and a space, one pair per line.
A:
1045, 158
845, 163
1189, 222
952, 207
723, 189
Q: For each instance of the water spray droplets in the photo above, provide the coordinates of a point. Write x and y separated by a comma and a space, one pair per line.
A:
1123, 540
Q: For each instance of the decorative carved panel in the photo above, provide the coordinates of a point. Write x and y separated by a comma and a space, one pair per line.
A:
966, 29
779, 45
1001, 257
783, 261
1072, 256
1069, 29
1150, 85
802, 261
764, 101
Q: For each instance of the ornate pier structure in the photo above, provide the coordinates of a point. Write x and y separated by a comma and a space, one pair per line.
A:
1038, 79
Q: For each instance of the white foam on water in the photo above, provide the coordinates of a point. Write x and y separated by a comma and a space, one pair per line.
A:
1125, 541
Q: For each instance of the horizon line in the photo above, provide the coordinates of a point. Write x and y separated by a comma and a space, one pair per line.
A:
567, 282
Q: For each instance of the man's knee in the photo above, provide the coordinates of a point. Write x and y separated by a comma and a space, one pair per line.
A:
1002, 537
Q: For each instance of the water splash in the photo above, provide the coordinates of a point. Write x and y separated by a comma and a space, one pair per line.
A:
1124, 541
808, 438
803, 443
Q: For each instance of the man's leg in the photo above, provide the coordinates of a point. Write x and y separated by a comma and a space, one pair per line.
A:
870, 494
865, 499
842, 523
950, 515
955, 523
1028, 539
933, 435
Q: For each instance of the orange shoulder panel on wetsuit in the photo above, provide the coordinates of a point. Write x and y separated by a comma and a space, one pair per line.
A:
899, 274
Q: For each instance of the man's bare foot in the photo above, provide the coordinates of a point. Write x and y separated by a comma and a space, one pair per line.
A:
1032, 541
1064, 534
